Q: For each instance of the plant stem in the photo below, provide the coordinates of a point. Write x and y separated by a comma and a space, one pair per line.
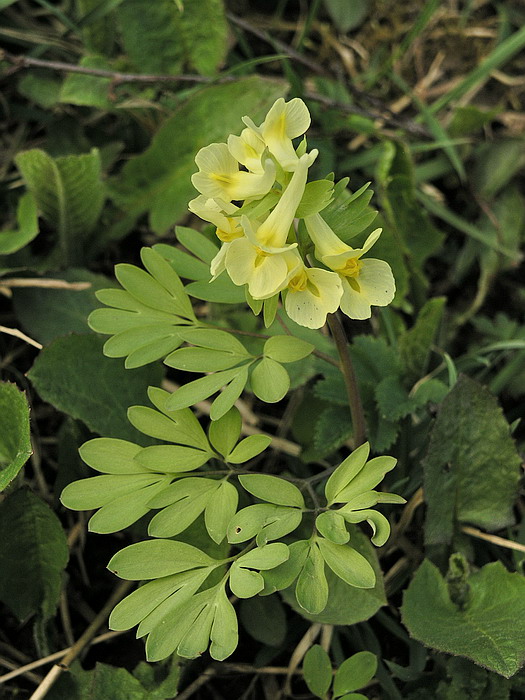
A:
347, 368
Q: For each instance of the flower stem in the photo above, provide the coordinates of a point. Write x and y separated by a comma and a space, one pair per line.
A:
347, 368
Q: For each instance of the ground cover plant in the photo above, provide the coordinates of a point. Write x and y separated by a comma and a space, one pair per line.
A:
263, 350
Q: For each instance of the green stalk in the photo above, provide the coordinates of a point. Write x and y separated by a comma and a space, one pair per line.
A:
347, 369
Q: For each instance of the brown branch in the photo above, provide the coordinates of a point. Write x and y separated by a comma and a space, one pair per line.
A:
115, 76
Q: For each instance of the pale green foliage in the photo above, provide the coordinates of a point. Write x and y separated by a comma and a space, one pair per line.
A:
354, 673
15, 440
27, 220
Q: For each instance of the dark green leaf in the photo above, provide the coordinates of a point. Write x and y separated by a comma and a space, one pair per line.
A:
15, 438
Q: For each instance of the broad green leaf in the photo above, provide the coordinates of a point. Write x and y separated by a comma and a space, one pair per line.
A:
264, 619
287, 348
225, 432
267, 522
33, 555
269, 380
249, 448
100, 393
15, 438
155, 558
158, 181
346, 471
355, 673
489, 630
415, 344
50, 313
199, 389
112, 456
220, 510
88, 90
472, 467
165, 38
393, 400
27, 219
348, 564
39, 86
172, 458
311, 590
69, 193
317, 670
332, 526
273, 489
229, 395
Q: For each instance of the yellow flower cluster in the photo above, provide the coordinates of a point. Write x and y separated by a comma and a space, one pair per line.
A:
259, 246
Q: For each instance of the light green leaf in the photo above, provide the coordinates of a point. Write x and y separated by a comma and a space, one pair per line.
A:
39, 86
158, 181
245, 583
249, 448
346, 471
229, 395
268, 522
155, 558
214, 340
98, 491
372, 474
355, 673
220, 291
332, 526
317, 195
88, 90
199, 389
472, 467
347, 16
267, 557
377, 521
287, 348
348, 564
186, 421
185, 265
202, 360
269, 381
224, 634
112, 456
27, 219
489, 630
220, 510
122, 512
285, 574
33, 555
172, 459
317, 670
15, 437
272, 489
224, 433
90, 395
311, 590
69, 193
185, 500
198, 244
165, 275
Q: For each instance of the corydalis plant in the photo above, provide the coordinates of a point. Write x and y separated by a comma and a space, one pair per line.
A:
260, 246
289, 533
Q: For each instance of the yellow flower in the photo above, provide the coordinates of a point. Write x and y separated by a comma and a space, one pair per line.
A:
219, 176
248, 149
284, 122
366, 283
312, 294
262, 258
218, 213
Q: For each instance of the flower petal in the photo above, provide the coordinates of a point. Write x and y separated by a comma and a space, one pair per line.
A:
310, 309
377, 281
353, 303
